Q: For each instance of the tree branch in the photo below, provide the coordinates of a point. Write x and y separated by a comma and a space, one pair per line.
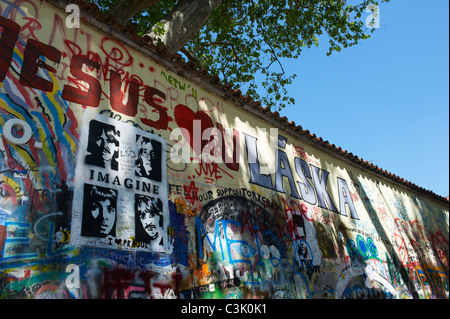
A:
274, 54
183, 23
299, 6
190, 56
232, 45
124, 10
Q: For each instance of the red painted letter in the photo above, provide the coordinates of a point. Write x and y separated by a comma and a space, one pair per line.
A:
149, 97
91, 97
32, 62
130, 108
10, 33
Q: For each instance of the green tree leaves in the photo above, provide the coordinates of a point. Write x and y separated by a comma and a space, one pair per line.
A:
244, 42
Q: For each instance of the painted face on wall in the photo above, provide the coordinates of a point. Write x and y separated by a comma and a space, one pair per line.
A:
103, 145
146, 157
99, 211
107, 144
150, 216
144, 162
105, 213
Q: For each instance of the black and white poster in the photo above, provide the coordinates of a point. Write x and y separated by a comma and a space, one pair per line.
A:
120, 198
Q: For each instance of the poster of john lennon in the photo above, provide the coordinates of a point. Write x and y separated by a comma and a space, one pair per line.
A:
120, 197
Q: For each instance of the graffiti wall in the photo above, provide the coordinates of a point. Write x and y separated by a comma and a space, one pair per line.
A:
121, 178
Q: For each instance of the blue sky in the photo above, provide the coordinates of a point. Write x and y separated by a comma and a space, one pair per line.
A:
385, 100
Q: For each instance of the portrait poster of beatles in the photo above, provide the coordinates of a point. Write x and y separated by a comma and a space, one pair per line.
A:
120, 198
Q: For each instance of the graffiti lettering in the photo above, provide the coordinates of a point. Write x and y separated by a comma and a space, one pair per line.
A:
10, 34
91, 206
319, 176
129, 183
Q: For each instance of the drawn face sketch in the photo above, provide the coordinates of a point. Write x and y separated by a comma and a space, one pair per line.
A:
149, 211
103, 145
100, 210
107, 143
106, 212
145, 155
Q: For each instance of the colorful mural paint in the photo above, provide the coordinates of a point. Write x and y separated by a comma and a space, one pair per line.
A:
120, 178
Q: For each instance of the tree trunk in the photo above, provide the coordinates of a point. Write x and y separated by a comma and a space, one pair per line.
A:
184, 22
127, 9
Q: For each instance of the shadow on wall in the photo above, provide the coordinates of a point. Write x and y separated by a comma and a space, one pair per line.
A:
377, 224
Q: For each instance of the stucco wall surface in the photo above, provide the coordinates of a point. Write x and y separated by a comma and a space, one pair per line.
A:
119, 178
